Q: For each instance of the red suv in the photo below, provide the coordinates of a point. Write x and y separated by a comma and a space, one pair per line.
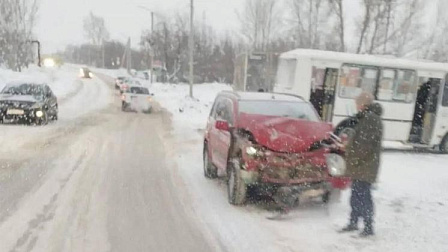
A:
267, 140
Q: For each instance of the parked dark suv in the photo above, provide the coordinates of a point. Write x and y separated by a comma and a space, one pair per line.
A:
28, 102
267, 140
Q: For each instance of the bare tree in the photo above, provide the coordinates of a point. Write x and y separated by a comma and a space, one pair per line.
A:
95, 29
338, 9
17, 20
309, 22
365, 23
258, 22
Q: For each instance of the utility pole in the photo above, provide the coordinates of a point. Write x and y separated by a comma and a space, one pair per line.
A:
129, 56
191, 45
102, 51
150, 44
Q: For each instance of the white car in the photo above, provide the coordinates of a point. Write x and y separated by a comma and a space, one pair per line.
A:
127, 83
136, 98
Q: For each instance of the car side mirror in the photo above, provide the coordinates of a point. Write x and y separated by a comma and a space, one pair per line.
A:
222, 125
152, 94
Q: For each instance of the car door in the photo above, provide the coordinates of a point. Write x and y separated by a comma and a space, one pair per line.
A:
223, 137
51, 101
212, 132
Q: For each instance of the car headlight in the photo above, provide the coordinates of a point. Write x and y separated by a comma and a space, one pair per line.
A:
253, 151
39, 113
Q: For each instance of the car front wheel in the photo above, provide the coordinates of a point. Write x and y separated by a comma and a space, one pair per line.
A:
236, 188
210, 170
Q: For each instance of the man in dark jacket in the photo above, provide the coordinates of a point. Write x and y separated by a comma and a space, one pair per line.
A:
362, 155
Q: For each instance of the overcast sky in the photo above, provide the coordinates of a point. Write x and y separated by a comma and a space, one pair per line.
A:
60, 21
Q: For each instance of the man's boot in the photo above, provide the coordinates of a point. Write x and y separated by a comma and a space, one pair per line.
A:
367, 232
349, 228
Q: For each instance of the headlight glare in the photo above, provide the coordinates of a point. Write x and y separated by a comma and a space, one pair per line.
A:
39, 113
253, 151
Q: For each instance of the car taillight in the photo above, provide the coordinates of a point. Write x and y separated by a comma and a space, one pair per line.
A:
149, 99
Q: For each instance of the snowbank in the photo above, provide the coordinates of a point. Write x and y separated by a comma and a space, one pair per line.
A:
189, 115
62, 81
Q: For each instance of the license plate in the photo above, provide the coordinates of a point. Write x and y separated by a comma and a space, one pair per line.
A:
15, 112
313, 193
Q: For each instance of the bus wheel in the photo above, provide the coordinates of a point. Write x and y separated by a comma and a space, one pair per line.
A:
444, 145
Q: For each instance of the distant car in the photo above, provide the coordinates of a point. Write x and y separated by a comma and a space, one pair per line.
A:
85, 73
118, 81
28, 102
127, 83
136, 98
270, 141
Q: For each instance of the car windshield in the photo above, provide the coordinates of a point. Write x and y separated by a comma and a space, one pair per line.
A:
138, 90
24, 89
299, 110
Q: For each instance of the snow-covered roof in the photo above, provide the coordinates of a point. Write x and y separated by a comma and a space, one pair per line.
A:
18, 83
256, 96
365, 59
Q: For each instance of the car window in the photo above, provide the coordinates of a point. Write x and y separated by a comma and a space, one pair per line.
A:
47, 91
224, 111
299, 110
24, 89
138, 90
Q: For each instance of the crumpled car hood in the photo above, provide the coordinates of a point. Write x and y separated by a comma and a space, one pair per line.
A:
282, 134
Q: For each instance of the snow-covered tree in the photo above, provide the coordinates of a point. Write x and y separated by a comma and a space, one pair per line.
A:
17, 20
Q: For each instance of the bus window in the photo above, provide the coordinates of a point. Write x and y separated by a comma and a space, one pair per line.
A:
386, 86
357, 79
396, 85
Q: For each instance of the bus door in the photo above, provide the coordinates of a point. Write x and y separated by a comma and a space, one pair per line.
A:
323, 85
425, 112
331, 80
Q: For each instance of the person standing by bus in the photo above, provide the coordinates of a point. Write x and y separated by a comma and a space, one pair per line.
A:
362, 154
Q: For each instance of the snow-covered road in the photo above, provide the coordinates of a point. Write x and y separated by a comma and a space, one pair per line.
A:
96, 180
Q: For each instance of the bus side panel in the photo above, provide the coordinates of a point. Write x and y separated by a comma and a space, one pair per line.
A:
302, 79
397, 117
285, 76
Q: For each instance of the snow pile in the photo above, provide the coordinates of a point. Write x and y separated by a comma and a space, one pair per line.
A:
189, 114
62, 81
